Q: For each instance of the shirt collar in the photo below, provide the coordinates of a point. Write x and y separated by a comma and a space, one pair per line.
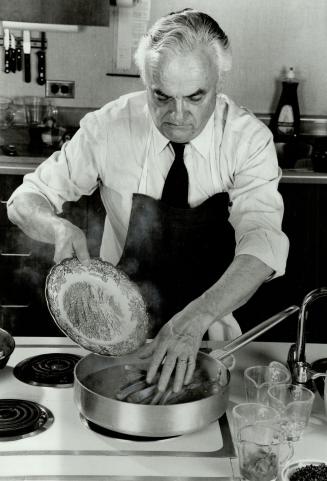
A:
201, 143
160, 141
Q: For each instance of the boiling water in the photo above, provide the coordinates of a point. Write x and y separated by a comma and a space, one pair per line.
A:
108, 382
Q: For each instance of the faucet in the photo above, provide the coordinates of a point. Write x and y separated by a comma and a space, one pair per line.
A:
301, 371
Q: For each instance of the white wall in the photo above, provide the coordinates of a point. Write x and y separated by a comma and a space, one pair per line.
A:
266, 36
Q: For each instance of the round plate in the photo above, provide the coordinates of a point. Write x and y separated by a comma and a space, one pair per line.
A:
97, 306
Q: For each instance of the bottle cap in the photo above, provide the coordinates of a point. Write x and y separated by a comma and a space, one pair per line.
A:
290, 75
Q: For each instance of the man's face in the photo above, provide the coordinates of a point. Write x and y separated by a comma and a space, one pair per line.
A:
181, 92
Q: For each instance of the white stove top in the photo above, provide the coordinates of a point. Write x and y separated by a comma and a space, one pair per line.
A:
69, 448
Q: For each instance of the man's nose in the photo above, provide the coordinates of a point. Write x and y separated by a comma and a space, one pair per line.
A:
179, 110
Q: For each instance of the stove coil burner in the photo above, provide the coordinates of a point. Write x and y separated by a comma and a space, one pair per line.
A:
20, 418
115, 435
51, 370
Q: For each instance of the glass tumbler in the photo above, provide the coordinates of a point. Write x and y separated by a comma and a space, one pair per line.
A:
258, 379
33, 110
262, 451
294, 403
246, 414
6, 113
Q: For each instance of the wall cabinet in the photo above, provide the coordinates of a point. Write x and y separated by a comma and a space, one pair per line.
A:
72, 12
305, 223
25, 263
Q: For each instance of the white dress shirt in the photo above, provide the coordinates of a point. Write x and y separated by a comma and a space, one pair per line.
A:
119, 149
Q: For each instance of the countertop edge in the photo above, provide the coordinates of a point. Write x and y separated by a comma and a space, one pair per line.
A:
17, 166
304, 176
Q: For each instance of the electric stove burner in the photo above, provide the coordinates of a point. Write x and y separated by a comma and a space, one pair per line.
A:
113, 434
20, 418
53, 370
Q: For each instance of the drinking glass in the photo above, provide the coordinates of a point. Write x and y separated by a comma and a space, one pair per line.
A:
262, 451
257, 380
6, 113
294, 403
18, 105
246, 414
33, 110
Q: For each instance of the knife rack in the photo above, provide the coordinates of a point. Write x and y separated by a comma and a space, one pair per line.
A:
35, 42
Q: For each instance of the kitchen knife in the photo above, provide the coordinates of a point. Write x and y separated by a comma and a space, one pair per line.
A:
19, 59
12, 57
6, 43
27, 55
41, 65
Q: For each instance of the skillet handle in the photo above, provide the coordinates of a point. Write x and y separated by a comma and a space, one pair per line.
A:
255, 332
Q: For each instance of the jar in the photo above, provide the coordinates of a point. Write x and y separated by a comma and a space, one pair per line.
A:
6, 113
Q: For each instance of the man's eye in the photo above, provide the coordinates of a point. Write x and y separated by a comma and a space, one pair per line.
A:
161, 97
196, 98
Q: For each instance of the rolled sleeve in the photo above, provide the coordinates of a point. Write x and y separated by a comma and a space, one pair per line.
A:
71, 172
257, 207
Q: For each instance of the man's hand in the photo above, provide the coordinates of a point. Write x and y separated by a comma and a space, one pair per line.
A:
70, 241
177, 344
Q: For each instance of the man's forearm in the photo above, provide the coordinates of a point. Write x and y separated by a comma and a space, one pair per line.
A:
34, 215
235, 287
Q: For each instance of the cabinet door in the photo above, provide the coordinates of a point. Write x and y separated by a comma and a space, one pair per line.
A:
299, 224
8, 183
23, 308
316, 326
69, 12
24, 264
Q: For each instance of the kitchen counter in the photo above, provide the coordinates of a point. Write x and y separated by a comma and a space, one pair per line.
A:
18, 165
24, 165
304, 176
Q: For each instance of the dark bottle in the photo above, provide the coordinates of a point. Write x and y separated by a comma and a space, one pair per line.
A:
285, 122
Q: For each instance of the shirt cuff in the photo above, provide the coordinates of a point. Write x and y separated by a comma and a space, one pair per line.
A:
270, 247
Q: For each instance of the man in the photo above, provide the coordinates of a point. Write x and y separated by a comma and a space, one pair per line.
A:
198, 247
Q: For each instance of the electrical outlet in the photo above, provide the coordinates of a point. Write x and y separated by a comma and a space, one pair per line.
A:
60, 88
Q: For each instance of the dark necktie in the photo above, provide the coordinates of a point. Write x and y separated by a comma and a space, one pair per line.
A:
175, 190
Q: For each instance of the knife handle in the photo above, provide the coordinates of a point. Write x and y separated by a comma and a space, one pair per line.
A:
41, 67
19, 60
13, 60
27, 67
7, 64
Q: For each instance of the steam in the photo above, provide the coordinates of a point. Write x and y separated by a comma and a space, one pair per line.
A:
31, 271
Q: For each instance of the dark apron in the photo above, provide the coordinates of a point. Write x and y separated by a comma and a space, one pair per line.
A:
174, 254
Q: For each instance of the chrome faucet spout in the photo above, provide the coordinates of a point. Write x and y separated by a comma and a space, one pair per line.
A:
303, 314
301, 370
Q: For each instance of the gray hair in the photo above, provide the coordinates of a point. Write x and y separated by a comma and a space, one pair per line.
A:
185, 30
